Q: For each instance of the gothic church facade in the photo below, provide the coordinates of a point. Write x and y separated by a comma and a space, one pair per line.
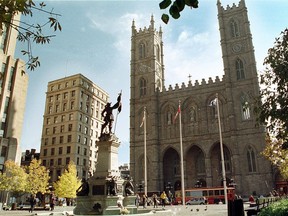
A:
242, 140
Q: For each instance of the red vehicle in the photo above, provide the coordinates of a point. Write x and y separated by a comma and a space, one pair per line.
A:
213, 195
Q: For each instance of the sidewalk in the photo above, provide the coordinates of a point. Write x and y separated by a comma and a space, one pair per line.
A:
195, 210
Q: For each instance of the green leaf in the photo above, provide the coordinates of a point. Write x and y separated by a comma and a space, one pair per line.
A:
174, 11
164, 4
192, 3
180, 4
165, 18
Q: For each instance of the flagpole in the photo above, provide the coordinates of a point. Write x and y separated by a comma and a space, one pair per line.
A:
222, 153
145, 158
181, 157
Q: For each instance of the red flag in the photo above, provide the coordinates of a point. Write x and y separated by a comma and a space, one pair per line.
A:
177, 113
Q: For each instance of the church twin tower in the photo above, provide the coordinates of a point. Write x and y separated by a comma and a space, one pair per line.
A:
237, 90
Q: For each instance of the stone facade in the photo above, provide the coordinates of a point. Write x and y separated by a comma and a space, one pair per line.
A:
237, 89
13, 92
72, 125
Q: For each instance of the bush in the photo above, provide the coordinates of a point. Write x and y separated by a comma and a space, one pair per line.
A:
279, 208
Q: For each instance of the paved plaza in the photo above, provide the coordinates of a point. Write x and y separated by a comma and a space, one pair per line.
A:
197, 210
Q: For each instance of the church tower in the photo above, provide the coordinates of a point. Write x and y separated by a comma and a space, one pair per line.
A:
147, 80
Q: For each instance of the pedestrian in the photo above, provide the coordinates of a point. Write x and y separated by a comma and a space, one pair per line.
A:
144, 201
137, 200
52, 202
163, 197
155, 201
32, 203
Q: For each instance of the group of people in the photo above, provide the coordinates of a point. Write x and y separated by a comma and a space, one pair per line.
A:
155, 201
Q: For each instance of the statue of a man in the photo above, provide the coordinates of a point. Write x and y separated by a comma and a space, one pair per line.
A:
107, 113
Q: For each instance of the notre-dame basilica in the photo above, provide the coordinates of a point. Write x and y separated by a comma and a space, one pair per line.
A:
243, 141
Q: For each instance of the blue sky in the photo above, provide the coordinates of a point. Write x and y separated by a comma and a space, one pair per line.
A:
95, 41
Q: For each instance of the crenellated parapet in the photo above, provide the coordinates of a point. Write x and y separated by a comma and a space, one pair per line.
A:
233, 7
194, 86
145, 30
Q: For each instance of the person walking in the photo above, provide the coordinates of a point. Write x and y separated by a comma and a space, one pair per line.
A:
137, 200
155, 201
32, 203
163, 197
144, 201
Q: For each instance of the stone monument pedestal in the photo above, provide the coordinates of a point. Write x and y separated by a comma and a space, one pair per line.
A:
106, 187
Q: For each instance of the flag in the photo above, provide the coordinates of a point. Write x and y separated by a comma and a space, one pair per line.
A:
142, 121
177, 113
119, 103
213, 102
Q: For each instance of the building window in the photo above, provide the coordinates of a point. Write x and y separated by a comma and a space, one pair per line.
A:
62, 128
53, 140
49, 109
72, 105
45, 152
62, 118
70, 127
240, 69
69, 138
47, 131
73, 93
46, 140
64, 106
60, 150
141, 50
143, 86
85, 140
57, 108
84, 162
65, 96
52, 151
79, 139
251, 160
67, 160
59, 161
44, 162
70, 116
79, 127
77, 161
78, 150
234, 28
61, 139
48, 121
55, 119
86, 130
51, 162
85, 152
54, 130
58, 97
68, 151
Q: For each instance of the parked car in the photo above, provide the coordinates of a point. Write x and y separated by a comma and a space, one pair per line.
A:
196, 201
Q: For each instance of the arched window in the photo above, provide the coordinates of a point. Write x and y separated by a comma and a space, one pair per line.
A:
169, 116
240, 69
245, 108
157, 53
200, 163
234, 28
251, 159
192, 114
141, 50
143, 87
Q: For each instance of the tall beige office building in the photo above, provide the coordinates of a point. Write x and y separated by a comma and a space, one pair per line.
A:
13, 91
72, 124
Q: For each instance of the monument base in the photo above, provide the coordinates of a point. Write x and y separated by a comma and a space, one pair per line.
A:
104, 205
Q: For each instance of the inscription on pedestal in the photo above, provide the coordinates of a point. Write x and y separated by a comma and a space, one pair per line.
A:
98, 190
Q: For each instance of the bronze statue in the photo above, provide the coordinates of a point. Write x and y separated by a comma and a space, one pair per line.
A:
83, 190
109, 118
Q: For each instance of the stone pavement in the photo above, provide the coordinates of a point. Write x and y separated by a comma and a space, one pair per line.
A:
191, 210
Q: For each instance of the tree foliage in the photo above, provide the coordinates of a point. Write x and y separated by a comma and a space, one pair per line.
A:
28, 32
67, 183
273, 103
14, 178
277, 155
38, 177
176, 8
